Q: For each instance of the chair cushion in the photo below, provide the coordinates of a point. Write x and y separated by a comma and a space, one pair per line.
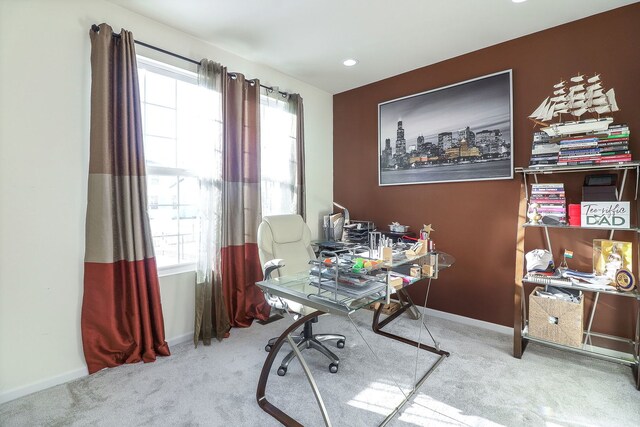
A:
286, 228
286, 237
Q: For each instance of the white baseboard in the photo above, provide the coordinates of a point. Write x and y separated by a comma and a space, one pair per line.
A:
469, 321
18, 392
180, 339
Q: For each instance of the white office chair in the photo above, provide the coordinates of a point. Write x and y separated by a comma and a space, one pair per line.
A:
287, 237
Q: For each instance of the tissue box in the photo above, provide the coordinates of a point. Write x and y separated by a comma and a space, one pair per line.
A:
556, 320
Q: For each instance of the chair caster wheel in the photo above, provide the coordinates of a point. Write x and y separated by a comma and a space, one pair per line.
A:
340, 344
282, 371
267, 348
333, 368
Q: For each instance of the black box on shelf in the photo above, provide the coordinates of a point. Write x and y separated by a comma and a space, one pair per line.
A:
600, 193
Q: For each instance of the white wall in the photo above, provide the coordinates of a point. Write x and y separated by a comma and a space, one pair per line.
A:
44, 129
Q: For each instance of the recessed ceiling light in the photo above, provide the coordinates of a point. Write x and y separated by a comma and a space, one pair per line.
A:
518, 1
349, 62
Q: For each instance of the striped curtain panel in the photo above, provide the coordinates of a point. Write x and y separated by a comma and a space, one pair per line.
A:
121, 310
241, 212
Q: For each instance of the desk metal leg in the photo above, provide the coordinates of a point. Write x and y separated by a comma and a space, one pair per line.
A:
377, 326
412, 392
404, 300
312, 382
269, 407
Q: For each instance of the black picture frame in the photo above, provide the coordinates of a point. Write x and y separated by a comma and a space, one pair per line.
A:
460, 132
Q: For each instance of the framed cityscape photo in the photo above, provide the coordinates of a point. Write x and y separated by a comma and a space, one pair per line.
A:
461, 132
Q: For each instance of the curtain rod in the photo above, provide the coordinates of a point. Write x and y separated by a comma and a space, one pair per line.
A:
96, 28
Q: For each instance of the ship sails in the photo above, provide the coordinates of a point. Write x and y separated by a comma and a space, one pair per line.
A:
583, 96
580, 96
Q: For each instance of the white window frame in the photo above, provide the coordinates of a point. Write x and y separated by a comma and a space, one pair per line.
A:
188, 77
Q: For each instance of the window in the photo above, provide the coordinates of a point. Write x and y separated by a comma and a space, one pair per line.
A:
180, 121
278, 153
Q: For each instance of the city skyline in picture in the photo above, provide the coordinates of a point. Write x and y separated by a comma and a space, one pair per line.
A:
461, 132
449, 110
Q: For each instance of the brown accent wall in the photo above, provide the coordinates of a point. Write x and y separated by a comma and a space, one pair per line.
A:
476, 221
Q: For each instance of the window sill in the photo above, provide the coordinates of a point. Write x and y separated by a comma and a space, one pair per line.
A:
172, 270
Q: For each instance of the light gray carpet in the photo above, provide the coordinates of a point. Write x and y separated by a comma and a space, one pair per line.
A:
481, 384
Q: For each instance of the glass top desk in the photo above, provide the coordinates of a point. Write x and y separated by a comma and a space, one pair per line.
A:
299, 288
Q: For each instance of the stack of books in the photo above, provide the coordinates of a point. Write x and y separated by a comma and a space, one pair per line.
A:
549, 201
579, 150
543, 152
614, 144
610, 146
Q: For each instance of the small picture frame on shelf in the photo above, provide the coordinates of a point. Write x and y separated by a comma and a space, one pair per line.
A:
610, 256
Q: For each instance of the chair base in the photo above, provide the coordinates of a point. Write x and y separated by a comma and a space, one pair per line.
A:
307, 339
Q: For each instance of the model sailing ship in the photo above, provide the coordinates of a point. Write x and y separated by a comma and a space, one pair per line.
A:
579, 97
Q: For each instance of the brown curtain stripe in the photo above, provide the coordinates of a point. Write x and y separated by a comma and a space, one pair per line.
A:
121, 318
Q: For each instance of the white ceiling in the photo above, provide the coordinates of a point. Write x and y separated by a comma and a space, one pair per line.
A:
309, 39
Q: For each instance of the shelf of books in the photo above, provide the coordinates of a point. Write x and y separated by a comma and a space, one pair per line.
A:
549, 298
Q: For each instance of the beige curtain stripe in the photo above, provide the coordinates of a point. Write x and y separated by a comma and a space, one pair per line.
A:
244, 215
112, 200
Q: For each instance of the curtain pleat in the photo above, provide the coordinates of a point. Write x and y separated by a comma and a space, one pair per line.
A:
241, 212
296, 101
121, 316
211, 319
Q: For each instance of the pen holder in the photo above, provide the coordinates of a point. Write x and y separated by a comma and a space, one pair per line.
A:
387, 254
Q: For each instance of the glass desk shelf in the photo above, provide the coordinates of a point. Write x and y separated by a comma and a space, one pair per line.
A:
300, 287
